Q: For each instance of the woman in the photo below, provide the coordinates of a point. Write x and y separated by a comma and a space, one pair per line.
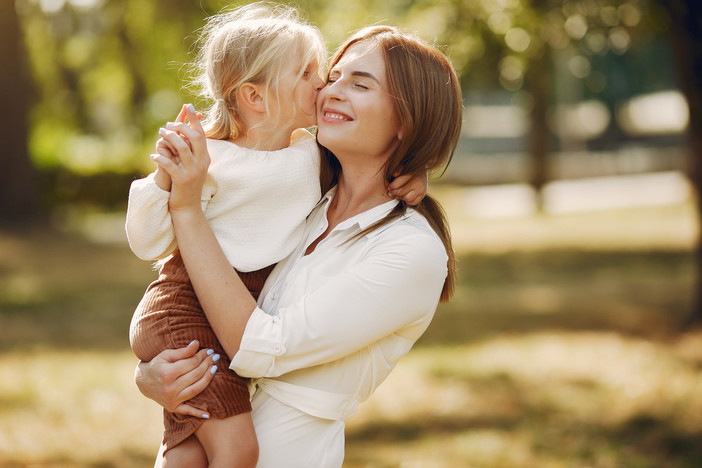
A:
336, 316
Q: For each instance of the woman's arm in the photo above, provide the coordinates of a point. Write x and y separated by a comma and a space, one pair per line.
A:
226, 301
391, 293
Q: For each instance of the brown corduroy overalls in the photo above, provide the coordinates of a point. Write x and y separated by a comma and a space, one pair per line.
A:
169, 316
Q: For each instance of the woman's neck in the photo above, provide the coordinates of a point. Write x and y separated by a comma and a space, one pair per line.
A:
357, 191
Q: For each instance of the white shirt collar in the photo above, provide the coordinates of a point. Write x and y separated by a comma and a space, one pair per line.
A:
362, 220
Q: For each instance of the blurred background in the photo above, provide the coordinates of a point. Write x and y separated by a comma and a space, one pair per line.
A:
573, 338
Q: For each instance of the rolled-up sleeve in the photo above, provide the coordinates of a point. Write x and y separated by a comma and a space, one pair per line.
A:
391, 289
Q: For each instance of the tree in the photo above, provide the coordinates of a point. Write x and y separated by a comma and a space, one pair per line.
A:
19, 197
686, 16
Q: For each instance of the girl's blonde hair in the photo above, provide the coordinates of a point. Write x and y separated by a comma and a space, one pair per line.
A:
429, 105
250, 44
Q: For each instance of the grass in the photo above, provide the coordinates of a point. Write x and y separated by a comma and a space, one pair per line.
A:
562, 348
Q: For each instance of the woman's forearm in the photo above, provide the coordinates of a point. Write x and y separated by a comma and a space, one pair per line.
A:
224, 298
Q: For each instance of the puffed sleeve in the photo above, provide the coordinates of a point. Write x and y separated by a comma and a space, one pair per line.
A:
393, 290
148, 225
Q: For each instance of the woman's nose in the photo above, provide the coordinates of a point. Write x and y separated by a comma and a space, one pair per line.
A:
333, 91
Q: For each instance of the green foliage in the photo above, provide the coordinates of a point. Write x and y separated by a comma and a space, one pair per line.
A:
108, 73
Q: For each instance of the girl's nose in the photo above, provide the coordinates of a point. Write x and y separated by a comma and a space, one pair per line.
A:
319, 84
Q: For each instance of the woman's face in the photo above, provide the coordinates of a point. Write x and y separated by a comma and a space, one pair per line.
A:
355, 112
298, 94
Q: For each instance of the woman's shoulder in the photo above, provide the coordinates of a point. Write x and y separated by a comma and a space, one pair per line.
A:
410, 232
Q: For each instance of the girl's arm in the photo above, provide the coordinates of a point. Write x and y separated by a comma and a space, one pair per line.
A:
227, 302
409, 188
148, 225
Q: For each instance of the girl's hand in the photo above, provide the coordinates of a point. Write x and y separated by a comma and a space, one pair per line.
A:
188, 169
409, 188
175, 376
161, 177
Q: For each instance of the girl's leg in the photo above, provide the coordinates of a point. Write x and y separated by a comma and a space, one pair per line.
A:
188, 453
229, 442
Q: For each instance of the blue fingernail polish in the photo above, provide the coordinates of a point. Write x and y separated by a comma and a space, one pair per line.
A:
213, 369
205, 415
170, 124
210, 352
191, 108
216, 357
192, 342
162, 131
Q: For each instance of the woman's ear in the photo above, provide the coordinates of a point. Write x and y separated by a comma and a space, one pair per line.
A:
251, 96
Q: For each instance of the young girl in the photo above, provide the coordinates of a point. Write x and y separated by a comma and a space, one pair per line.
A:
259, 66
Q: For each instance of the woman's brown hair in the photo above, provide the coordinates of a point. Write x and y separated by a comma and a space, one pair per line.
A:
429, 105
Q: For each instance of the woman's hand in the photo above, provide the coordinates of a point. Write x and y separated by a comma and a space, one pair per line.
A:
187, 162
176, 375
409, 188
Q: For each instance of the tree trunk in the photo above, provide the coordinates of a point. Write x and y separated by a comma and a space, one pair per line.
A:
540, 137
686, 33
19, 199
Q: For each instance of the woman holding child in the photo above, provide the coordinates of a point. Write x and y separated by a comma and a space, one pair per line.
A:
336, 315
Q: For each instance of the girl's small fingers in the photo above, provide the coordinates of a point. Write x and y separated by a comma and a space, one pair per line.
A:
179, 145
415, 201
399, 181
165, 162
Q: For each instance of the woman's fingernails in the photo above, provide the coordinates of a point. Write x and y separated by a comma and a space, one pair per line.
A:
192, 342
205, 415
170, 124
210, 352
216, 357
213, 369
191, 108
162, 131
153, 157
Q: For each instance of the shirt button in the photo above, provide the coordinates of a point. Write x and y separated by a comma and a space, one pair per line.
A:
276, 349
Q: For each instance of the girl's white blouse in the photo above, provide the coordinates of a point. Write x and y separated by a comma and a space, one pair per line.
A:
255, 201
331, 325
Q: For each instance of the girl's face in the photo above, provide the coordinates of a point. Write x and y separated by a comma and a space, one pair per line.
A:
355, 112
298, 94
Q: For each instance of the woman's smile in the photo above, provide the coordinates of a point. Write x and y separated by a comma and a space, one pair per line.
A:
355, 109
333, 116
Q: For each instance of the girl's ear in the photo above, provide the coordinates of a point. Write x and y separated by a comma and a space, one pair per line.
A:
251, 96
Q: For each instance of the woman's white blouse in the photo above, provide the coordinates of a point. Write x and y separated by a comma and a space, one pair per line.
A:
339, 319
